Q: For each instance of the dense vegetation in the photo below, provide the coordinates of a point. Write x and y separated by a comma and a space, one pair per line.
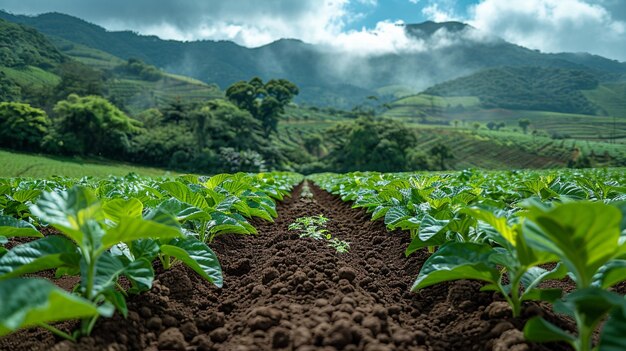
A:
108, 230
525, 88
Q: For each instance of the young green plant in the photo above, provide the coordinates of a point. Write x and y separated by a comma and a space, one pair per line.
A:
589, 238
314, 227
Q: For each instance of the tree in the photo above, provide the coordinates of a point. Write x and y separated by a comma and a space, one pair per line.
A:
22, 127
220, 124
492, 125
80, 79
265, 101
443, 153
91, 125
175, 111
524, 123
370, 144
476, 126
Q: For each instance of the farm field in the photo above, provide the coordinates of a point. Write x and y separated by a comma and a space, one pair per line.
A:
28, 165
294, 287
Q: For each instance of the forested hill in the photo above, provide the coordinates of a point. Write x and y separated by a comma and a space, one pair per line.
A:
325, 76
525, 88
23, 46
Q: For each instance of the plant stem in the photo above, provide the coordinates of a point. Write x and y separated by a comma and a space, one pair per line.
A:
584, 335
516, 303
167, 262
91, 272
57, 331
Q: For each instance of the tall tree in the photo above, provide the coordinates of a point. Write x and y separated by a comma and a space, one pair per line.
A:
265, 101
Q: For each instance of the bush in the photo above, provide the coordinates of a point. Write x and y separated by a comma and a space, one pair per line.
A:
22, 127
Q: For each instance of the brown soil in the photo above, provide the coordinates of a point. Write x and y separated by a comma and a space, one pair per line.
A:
282, 292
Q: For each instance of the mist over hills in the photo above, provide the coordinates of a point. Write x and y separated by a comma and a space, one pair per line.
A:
433, 53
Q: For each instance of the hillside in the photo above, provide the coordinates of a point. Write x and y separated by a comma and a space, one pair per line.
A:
318, 69
525, 88
31, 63
21, 46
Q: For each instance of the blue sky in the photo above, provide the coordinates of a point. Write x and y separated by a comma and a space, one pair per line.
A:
402, 10
367, 26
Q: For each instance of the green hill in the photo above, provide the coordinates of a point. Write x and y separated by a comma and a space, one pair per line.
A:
31, 63
21, 46
610, 98
525, 88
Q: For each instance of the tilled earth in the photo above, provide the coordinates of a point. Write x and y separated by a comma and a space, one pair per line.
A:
282, 292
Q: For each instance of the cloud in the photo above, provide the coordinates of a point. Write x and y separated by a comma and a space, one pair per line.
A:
441, 10
248, 22
556, 25
596, 26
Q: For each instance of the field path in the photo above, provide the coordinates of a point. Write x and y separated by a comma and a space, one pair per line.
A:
282, 292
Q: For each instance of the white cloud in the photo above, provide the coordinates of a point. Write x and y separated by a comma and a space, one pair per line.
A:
437, 14
554, 25
597, 26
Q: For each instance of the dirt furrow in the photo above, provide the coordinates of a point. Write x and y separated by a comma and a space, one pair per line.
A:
286, 293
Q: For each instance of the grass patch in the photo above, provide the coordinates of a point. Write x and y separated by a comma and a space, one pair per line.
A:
27, 165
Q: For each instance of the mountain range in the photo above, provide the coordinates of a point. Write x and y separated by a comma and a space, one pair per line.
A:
326, 75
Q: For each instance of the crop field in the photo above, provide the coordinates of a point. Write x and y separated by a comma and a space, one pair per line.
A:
28, 165
470, 260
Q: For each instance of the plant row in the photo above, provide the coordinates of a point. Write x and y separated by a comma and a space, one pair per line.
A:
104, 230
513, 231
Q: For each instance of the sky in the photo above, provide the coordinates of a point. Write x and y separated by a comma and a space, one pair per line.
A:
595, 26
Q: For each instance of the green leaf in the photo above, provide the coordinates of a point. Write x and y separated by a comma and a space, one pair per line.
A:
11, 227
229, 223
584, 234
457, 260
117, 299
396, 214
25, 195
183, 211
535, 275
184, 194
549, 295
117, 208
590, 304
28, 302
109, 268
612, 273
145, 248
141, 275
498, 223
132, 228
35, 256
216, 180
198, 256
539, 330
612, 335
68, 210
